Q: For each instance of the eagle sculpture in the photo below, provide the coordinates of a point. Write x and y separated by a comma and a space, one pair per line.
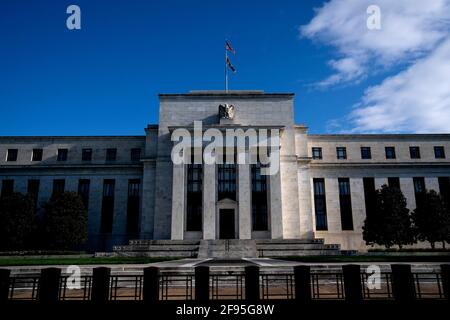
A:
226, 111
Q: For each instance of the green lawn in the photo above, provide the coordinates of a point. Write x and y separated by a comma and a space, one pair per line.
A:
368, 258
32, 261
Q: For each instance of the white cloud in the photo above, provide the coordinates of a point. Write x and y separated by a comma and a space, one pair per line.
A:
417, 99
414, 35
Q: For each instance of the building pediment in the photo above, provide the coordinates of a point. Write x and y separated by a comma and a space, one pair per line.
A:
226, 201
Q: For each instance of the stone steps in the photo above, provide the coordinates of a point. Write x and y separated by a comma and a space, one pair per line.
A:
289, 241
227, 249
158, 248
295, 247
224, 249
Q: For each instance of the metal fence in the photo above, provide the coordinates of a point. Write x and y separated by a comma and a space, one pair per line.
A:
234, 286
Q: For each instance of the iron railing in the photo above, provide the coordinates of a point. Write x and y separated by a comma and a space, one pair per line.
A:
229, 286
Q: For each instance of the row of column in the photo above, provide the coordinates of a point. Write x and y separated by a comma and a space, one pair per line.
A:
209, 202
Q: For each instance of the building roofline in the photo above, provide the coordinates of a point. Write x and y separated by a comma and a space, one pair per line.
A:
233, 93
72, 137
381, 136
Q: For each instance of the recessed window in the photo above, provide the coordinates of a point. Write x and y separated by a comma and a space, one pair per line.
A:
11, 155
414, 152
83, 191
317, 153
62, 154
107, 213
341, 152
366, 153
390, 152
345, 204
7, 187
86, 154
135, 154
111, 154
58, 186
37, 155
320, 205
439, 152
419, 190
394, 182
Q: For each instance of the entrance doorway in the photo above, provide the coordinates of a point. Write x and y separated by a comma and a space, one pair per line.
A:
227, 224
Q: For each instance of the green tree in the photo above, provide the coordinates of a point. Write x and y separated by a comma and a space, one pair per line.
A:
390, 222
18, 221
431, 219
65, 221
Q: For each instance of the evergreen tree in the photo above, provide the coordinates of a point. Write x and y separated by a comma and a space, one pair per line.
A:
65, 221
18, 221
432, 219
390, 222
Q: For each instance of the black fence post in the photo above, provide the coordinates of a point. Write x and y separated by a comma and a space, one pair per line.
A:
445, 276
4, 284
49, 284
150, 289
302, 278
202, 283
251, 283
100, 284
352, 283
403, 283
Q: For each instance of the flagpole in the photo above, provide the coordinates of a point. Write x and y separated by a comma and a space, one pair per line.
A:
226, 68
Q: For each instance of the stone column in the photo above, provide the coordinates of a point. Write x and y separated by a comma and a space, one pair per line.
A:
358, 205
178, 202
276, 221
407, 187
245, 216
432, 183
305, 203
209, 201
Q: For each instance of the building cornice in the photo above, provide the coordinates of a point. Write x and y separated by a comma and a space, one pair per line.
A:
377, 137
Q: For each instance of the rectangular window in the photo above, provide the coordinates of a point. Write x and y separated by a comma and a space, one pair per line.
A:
106, 222
194, 203
83, 191
111, 154
260, 219
320, 204
317, 153
394, 182
62, 154
36, 155
86, 154
444, 189
439, 152
226, 180
134, 186
419, 189
370, 195
366, 153
414, 152
390, 152
58, 186
7, 187
135, 154
345, 204
11, 155
341, 152
33, 190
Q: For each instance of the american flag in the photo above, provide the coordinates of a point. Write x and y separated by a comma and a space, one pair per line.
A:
229, 47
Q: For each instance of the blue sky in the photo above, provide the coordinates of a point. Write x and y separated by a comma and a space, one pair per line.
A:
104, 79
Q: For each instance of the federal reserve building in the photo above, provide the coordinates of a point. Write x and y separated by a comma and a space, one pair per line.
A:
314, 200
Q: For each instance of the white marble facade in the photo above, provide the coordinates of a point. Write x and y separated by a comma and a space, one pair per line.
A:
163, 186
